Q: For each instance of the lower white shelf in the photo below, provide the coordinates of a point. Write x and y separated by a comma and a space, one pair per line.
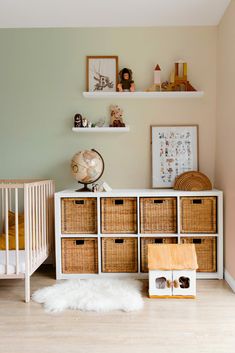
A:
101, 129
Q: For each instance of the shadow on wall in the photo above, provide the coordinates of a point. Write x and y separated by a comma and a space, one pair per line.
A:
60, 172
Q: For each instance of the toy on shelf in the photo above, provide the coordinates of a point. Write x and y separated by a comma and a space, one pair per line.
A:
178, 79
103, 187
116, 119
77, 120
84, 122
172, 270
100, 123
81, 122
126, 83
156, 87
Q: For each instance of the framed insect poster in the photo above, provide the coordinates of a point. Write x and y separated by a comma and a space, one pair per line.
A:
102, 73
174, 151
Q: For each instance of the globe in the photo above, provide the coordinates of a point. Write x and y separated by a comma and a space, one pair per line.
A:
87, 167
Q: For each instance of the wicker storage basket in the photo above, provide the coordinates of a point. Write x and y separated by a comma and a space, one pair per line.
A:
144, 248
198, 214
79, 255
119, 255
206, 252
118, 215
79, 216
157, 215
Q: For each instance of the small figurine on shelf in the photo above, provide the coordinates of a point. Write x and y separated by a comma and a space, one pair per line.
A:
84, 122
126, 83
156, 80
100, 122
95, 187
77, 120
116, 119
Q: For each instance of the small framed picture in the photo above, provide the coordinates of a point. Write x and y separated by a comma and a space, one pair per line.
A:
174, 151
102, 73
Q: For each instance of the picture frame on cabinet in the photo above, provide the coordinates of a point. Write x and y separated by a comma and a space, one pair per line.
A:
102, 73
174, 151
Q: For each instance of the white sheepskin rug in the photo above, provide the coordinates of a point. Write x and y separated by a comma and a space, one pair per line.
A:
91, 295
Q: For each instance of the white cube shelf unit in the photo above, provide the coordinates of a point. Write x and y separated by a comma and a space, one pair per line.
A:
87, 233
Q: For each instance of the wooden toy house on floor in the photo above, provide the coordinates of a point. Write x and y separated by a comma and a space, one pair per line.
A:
172, 270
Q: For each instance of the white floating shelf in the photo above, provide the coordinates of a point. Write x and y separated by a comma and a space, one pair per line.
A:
142, 95
101, 129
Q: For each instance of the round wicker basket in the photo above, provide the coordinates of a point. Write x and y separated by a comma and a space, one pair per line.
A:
192, 181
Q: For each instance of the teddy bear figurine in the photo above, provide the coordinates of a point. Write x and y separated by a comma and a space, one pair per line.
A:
116, 119
126, 83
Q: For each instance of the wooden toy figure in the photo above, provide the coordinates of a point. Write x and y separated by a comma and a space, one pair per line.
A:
156, 80
126, 83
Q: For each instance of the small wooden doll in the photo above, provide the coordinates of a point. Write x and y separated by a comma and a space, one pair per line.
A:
126, 83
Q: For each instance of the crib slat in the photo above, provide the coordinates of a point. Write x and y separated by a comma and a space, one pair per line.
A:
33, 226
17, 231
47, 216
51, 216
47, 198
10, 208
36, 224
42, 219
44, 215
40, 190
3, 208
7, 231
27, 212
51, 232
29, 221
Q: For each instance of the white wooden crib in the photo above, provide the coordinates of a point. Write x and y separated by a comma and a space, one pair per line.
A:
26, 209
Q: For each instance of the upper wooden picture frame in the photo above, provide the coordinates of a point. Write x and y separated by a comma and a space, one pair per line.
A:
174, 151
101, 73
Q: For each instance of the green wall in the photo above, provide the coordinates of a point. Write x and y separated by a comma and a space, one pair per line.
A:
42, 76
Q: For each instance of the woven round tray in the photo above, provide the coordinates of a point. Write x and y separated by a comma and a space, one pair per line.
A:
192, 181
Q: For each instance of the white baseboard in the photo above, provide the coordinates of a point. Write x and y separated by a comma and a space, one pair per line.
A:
229, 279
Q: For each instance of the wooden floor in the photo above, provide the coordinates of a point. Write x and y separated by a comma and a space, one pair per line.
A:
204, 325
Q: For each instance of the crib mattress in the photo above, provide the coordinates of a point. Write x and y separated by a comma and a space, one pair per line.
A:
12, 262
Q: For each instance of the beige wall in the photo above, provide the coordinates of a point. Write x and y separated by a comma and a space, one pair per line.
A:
41, 80
225, 148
